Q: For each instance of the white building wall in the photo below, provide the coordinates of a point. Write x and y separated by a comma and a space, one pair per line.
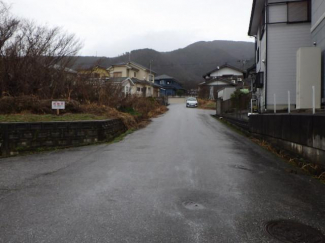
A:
226, 71
318, 33
220, 94
133, 90
218, 83
260, 65
283, 42
318, 11
261, 44
308, 75
279, 1
227, 93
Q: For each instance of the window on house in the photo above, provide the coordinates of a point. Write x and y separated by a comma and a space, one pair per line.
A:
259, 82
138, 89
150, 78
262, 24
135, 74
162, 82
277, 13
117, 74
258, 55
168, 82
298, 11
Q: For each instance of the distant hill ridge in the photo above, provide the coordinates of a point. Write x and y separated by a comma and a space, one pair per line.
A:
187, 64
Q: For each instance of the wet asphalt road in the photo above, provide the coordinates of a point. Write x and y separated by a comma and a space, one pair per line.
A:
184, 178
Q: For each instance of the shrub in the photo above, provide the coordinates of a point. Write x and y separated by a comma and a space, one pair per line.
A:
11, 105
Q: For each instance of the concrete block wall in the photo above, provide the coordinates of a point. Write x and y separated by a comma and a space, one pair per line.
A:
302, 134
21, 137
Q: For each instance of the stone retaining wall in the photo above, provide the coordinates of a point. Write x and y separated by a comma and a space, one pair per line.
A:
21, 137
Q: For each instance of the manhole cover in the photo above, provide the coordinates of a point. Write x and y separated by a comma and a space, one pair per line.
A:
192, 205
289, 231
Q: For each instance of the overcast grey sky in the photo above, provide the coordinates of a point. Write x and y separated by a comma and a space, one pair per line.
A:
110, 28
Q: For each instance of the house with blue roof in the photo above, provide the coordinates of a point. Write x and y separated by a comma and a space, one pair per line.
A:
169, 85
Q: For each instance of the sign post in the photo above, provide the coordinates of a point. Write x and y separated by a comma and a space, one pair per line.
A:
58, 105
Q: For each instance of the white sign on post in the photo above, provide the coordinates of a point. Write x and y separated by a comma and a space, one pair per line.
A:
58, 105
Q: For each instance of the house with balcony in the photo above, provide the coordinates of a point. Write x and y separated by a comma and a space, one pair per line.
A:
280, 29
170, 86
135, 78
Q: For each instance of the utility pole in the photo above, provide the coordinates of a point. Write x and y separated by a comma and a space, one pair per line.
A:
150, 69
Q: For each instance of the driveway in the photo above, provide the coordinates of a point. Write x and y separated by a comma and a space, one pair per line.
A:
184, 178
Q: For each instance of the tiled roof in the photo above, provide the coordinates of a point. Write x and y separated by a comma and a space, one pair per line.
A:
144, 82
135, 64
164, 76
225, 80
224, 66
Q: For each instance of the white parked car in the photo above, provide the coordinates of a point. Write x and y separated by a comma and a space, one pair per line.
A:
191, 102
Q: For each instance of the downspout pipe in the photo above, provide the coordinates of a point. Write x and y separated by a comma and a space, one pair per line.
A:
266, 51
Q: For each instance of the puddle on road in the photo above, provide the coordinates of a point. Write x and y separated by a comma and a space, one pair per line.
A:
192, 205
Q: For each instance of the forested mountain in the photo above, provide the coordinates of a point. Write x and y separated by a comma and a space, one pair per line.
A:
187, 64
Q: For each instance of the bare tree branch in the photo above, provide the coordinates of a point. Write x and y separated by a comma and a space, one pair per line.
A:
34, 60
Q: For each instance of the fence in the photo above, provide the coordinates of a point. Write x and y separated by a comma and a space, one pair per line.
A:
235, 108
301, 133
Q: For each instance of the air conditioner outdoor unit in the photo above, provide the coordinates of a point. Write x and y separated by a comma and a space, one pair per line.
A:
308, 76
